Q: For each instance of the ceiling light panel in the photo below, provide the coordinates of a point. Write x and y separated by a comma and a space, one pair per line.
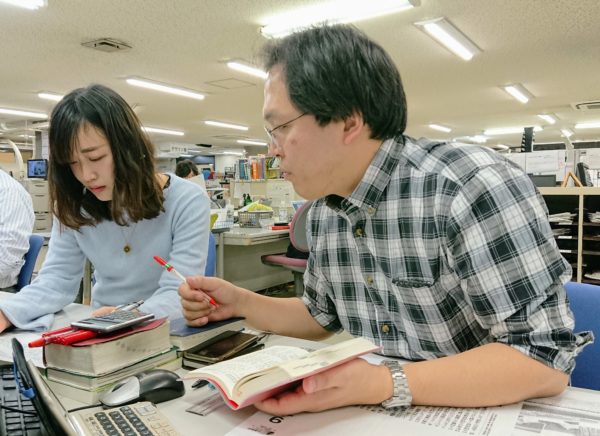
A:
332, 12
251, 142
162, 87
450, 37
225, 125
247, 68
21, 113
549, 118
518, 92
440, 128
27, 4
50, 96
588, 125
163, 131
509, 130
567, 133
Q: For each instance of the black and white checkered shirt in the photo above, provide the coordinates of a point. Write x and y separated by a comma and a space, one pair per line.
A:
441, 248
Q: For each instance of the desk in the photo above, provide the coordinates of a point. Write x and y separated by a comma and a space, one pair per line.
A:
575, 412
242, 249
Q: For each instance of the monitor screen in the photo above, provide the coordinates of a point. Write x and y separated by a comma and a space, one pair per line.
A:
582, 172
37, 169
542, 180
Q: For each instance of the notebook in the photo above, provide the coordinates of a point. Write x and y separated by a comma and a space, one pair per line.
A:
137, 418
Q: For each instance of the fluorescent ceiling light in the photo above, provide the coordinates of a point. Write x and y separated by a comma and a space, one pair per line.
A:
450, 37
550, 119
27, 4
519, 92
589, 125
508, 130
251, 142
50, 96
169, 89
23, 113
247, 69
567, 133
164, 131
225, 125
234, 153
332, 12
440, 128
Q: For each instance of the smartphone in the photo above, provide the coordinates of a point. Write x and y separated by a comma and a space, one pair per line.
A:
112, 321
224, 346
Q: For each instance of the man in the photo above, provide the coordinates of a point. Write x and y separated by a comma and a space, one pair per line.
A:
186, 169
16, 225
439, 253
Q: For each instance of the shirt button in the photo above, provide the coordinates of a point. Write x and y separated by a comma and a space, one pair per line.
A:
369, 280
385, 328
371, 210
358, 232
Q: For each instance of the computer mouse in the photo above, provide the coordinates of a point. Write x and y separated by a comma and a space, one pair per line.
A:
156, 386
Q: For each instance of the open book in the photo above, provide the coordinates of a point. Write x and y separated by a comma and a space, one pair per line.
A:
255, 376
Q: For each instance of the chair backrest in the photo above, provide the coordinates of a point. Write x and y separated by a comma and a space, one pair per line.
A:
35, 245
584, 300
298, 228
211, 258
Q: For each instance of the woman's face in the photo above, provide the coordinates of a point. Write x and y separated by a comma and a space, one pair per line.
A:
92, 162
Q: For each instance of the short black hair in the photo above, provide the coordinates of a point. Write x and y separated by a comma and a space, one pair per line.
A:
332, 72
137, 193
184, 167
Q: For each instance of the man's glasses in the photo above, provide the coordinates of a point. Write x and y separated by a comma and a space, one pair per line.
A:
272, 132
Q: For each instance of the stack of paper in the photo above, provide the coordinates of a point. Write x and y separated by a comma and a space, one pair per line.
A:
562, 218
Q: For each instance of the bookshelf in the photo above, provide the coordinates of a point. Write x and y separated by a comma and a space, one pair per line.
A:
579, 239
256, 168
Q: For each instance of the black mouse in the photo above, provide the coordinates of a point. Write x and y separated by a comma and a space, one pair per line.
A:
156, 386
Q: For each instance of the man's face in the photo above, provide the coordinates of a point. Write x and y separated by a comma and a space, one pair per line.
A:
308, 153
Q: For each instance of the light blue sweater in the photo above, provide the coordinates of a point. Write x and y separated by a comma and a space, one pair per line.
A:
178, 235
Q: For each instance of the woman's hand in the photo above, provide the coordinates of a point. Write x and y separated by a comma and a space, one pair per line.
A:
354, 382
104, 310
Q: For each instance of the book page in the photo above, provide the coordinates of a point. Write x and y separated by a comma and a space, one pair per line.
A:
230, 371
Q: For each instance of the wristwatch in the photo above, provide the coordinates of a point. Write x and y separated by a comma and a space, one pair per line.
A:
401, 396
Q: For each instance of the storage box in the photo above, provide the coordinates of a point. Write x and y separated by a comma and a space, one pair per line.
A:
253, 219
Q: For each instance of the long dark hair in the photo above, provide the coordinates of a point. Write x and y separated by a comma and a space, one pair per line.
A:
136, 194
332, 72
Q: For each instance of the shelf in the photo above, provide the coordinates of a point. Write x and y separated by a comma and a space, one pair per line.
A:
590, 253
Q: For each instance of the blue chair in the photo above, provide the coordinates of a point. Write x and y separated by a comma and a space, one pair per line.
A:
211, 258
35, 245
584, 300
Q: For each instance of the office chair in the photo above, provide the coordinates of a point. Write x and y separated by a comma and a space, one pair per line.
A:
584, 300
211, 258
35, 245
299, 242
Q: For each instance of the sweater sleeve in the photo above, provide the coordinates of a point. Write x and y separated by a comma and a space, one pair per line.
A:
55, 286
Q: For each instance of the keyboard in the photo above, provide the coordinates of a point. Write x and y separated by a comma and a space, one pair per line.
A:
135, 419
15, 423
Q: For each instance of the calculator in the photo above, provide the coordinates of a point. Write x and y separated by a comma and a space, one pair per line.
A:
113, 321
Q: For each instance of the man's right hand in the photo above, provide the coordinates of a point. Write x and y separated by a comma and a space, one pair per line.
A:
195, 307
4, 322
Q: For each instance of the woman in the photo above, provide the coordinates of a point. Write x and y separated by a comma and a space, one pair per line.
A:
112, 207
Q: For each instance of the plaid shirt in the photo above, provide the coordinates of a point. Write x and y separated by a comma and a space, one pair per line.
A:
441, 248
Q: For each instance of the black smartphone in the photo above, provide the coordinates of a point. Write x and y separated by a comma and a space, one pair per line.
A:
223, 347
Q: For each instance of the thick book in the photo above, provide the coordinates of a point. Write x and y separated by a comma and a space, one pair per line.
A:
105, 354
253, 377
92, 382
93, 395
185, 337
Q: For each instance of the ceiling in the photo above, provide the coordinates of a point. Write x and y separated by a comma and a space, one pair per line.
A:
552, 47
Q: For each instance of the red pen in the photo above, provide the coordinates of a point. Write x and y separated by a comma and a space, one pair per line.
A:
73, 337
172, 270
48, 336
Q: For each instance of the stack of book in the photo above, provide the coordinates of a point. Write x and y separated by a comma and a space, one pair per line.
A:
85, 370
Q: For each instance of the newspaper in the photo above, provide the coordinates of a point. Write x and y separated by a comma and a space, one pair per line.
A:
576, 412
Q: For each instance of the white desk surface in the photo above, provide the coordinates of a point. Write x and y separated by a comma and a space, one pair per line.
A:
575, 412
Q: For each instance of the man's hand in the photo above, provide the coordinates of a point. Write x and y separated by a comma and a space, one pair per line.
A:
4, 322
194, 302
354, 382
104, 310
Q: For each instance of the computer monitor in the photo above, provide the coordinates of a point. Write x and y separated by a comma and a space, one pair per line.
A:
582, 171
542, 180
37, 169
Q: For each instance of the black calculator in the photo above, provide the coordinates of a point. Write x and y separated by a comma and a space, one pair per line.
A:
113, 321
